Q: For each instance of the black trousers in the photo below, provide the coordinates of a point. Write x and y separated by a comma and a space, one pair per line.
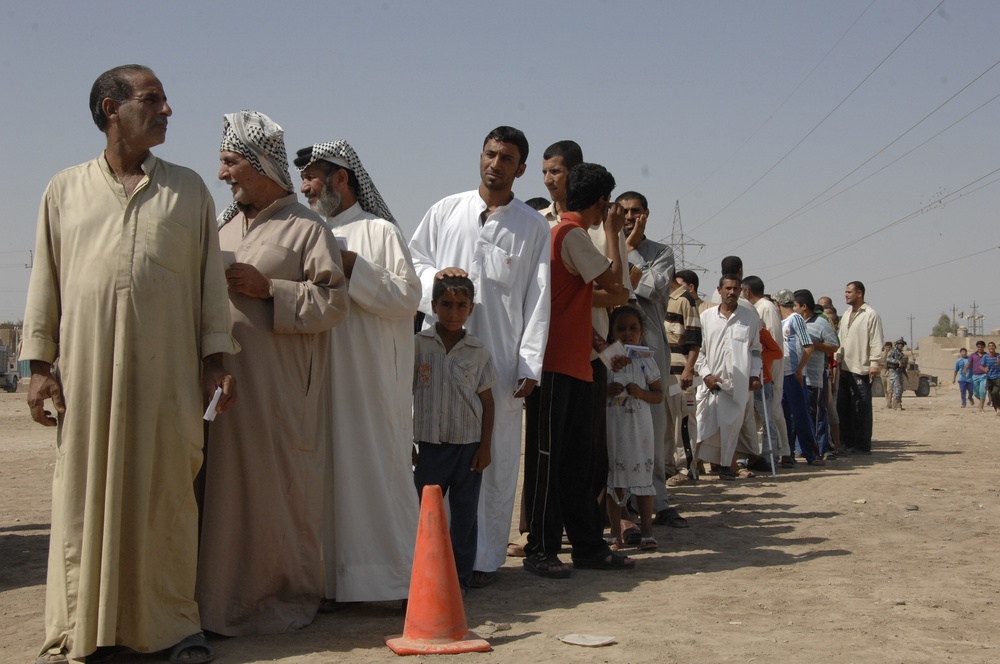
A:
559, 469
854, 405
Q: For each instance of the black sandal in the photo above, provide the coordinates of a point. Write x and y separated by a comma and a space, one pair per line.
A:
610, 561
542, 564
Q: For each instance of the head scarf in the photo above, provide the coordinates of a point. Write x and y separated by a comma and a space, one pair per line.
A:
261, 140
343, 155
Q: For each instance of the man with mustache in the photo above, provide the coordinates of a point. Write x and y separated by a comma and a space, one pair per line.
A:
127, 292
259, 568
730, 366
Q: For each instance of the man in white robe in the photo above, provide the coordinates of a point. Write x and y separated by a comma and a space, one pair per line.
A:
259, 562
503, 246
127, 293
369, 476
730, 367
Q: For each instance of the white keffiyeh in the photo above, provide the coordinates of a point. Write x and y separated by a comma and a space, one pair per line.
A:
343, 155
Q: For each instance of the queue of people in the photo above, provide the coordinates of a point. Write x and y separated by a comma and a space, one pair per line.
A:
296, 323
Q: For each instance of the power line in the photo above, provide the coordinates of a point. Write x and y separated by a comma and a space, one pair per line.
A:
940, 202
928, 267
784, 101
795, 213
820, 123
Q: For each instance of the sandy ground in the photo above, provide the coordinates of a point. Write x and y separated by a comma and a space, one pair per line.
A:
888, 558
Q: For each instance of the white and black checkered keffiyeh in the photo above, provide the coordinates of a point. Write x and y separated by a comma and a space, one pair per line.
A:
342, 154
262, 141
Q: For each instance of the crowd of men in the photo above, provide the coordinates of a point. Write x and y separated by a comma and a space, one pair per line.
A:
300, 497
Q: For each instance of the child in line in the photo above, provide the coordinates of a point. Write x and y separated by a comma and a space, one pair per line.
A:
630, 430
453, 414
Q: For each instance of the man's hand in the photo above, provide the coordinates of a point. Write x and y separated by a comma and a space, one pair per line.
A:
450, 272
348, 258
687, 378
799, 377
246, 279
616, 220
481, 459
755, 383
524, 387
44, 386
614, 389
711, 382
872, 373
634, 238
214, 375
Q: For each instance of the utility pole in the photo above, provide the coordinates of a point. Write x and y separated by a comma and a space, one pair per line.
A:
975, 320
911, 317
31, 259
678, 240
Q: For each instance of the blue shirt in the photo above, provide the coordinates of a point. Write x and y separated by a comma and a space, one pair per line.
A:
819, 330
961, 366
992, 365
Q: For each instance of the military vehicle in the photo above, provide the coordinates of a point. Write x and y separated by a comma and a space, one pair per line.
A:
913, 380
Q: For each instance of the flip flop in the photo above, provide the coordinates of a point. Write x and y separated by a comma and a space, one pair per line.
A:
187, 651
542, 564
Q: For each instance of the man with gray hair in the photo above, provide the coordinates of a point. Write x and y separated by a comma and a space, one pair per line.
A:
259, 562
369, 476
127, 292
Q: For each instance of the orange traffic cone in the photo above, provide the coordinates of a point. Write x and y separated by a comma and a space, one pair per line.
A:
435, 616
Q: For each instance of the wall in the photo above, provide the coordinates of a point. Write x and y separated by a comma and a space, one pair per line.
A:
937, 355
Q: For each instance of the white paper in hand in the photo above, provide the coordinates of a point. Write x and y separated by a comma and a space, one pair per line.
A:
611, 352
210, 411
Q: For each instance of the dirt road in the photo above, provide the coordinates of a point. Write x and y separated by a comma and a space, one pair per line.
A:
888, 558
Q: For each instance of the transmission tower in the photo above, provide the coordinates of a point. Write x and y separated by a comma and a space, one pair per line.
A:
679, 242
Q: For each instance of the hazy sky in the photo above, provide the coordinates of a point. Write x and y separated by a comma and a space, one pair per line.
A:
787, 130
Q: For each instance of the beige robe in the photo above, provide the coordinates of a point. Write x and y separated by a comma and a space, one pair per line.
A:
129, 295
371, 510
259, 564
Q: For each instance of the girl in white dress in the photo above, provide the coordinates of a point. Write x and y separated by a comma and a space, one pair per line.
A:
630, 429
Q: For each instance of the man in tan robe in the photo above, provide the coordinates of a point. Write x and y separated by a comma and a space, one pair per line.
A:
127, 293
369, 468
259, 563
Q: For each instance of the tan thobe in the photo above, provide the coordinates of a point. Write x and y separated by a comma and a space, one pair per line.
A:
129, 295
371, 508
259, 564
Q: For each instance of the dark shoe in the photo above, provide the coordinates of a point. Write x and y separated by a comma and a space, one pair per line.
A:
482, 579
726, 474
670, 517
192, 650
612, 561
543, 564
331, 605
